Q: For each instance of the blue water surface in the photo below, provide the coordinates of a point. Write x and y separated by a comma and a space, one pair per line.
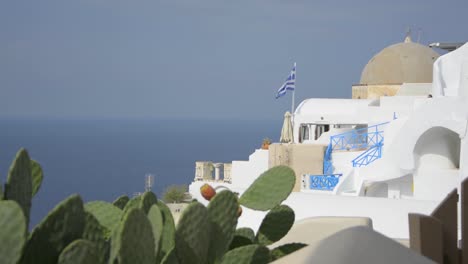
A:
103, 159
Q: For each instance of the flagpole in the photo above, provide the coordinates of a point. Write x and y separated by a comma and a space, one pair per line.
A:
294, 91
293, 97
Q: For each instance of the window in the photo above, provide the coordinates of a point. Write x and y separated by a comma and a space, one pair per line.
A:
303, 132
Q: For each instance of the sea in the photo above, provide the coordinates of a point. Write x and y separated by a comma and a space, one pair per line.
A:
103, 159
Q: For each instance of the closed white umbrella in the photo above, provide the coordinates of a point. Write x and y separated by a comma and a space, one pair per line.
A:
287, 130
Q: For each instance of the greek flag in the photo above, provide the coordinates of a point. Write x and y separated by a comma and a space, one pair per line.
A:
289, 84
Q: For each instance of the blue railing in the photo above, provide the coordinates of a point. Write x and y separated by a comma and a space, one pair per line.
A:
369, 156
324, 182
358, 138
327, 164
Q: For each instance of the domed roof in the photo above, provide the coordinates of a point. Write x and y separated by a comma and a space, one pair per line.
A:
405, 62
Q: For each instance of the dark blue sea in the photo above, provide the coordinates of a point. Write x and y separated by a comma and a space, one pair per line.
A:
103, 159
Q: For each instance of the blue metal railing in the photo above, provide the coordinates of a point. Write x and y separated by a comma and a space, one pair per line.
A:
324, 182
369, 156
358, 138
327, 164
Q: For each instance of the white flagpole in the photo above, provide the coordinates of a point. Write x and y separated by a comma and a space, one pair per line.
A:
294, 91
293, 97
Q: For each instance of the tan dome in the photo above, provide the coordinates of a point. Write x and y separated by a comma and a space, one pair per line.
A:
405, 62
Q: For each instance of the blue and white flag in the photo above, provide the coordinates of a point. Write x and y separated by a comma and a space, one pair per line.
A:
289, 84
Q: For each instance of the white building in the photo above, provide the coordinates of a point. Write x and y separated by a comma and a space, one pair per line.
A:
397, 147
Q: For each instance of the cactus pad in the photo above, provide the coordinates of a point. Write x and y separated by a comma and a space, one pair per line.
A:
94, 232
251, 254
147, 200
156, 220
284, 250
167, 241
37, 176
270, 189
275, 225
12, 232
222, 211
1, 191
121, 201
170, 258
107, 214
193, 234
132, 203
242, 237
64, 224
80, 251
19, 182
133, 241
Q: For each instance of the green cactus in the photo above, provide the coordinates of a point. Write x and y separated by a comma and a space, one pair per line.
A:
1, 191
193, 234
64, 224
251, 254
270, 189
156, 220
275, 225
242, 237
133, 241
12, 232
147, 200
19, 182
170, 258
222, 211
107, 215
37, 176
284, 250
94, 232
132, 203
80, 251
121, 201
167, 241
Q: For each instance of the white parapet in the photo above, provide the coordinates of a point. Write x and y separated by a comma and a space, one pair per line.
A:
243, 173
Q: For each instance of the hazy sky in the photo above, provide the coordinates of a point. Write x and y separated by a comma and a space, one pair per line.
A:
197, 59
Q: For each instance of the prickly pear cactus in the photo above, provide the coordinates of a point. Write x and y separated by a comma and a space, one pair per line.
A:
133, 241
222, 211
64, 224
12, 232
167, 242
193, 234
94, 232
251, 254
284, 250
37, 176
132, 203
147, 200
170, 258
80, 251
270, 189
121, 201
275, 225
107, 214
19, 182
242, 237
1, 191
155, 217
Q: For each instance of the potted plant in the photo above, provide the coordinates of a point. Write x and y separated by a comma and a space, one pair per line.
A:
266, 143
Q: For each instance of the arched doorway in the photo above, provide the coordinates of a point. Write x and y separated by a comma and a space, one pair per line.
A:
437, 162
